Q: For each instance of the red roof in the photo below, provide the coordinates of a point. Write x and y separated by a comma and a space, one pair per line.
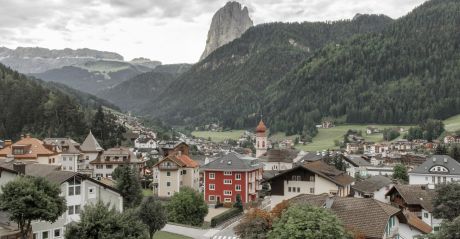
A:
182, 160
261, 128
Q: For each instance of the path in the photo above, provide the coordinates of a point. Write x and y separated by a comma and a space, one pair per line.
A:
190, 232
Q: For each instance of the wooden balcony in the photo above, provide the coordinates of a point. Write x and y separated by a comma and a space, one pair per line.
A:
168, 167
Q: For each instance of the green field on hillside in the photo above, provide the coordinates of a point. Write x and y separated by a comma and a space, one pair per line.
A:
326, 137
452, 124
219, 136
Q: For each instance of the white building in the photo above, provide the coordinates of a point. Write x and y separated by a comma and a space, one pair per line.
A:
437, 169
356, 164
261, 139
91, 150
374, 187
145, 143
109, 160
68, 150
77, 189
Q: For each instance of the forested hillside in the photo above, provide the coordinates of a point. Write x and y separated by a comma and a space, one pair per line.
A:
408, 73
228, 86
30, 106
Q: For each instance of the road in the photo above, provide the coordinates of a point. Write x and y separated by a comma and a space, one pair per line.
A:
227, 233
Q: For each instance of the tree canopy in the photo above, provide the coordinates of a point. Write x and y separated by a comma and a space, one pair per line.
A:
400, 173
127, 182
187, 207
446, 203
153, 215
27, 199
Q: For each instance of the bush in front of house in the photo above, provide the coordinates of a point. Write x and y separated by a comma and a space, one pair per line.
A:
231, 213
187, 207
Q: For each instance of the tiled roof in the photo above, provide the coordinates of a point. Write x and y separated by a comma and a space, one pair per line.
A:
32, 168
181, 160
372, 184
438, 160
356, 160
417, 223
415, 195
365, 215
261, 128
279, 155
34, 146
310, 157
66, 145
90, 144
233, 162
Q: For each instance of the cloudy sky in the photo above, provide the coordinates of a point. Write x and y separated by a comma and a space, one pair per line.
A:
171, 31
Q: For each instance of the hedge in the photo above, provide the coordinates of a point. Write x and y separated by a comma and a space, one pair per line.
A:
219, 219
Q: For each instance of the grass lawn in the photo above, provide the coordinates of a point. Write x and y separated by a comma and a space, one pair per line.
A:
168, 235
219, 136
326, 137
452, 124
147, 192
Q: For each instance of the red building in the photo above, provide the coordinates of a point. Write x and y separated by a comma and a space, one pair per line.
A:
230, 175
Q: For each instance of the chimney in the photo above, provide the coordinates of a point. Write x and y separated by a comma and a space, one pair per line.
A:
8, 142
20, 168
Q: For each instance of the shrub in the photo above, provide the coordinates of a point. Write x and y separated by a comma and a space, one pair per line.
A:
219, 219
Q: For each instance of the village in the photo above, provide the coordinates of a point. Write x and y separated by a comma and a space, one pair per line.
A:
352, 182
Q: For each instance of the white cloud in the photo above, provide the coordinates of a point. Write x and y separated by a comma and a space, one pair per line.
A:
166, 30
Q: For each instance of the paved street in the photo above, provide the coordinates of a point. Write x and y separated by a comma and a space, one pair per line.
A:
190, 232
227, 233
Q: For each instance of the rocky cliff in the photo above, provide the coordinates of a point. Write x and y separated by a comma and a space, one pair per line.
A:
228, 23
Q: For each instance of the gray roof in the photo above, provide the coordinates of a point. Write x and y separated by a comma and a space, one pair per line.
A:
90, 144
279, 155
32, 168
67, 145
310, 157
372, 184
233, 162
356, 160
446, 161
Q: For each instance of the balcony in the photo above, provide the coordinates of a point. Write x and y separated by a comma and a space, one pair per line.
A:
168, 167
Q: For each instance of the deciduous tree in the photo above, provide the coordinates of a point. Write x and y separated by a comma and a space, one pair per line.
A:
129, 186
400, 173
187, 207
153, 215
446, 203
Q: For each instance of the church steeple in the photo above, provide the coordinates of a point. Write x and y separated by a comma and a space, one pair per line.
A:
261, 139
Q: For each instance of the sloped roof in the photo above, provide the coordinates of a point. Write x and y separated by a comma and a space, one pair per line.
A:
310, 157
35, 147
356, 160
181, 160
90, 144
365, 215
415, 195
323, 170
279, 155
438, 160
233, 162
67, 145
417, 223
261, 128
372, 184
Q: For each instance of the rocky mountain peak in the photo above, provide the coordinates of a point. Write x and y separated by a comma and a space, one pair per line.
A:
227, 24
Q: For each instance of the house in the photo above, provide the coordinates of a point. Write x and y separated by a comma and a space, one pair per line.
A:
261, 139
452, 139
372, 130
91, 150
353, 148
230, 175
368, 217
172, 147
78, 190
278, 159
327, 124
310, 178
30, 149
68, 150
112, 158
416, 199
356, 164
144, 142
435, 170
374, 187
175, 171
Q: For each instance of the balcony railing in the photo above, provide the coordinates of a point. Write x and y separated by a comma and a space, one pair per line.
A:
168, 167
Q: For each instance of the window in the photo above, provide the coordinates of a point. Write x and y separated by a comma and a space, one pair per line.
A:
312, 178
294, 177
227, 173
299, 178
168, 174
70, 168
312, 190
64, 159
227, 200
298, 190
433, 179
212, 186
91, 190
77, 209
227, 181
227, 192
168, 184
108, 166
70, 159
57, 232
45, 235
70, 210
74, 186
184, 172
212, 198
99, 166
212, 175
444, 179
77, 190
238, 176
35, 236
436, 228
87, 157
289, 189
64, 168
238, 187
425, 215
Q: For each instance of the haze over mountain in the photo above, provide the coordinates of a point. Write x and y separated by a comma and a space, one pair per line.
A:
228, 23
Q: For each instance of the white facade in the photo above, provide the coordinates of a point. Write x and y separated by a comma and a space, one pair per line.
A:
261, 144
379, 195
141, 143
269, 166
69, 162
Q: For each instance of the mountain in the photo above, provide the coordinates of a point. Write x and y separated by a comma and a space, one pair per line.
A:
93, 76
138, 91
406, 74
228, 85
37, 60
227, 24
26, 106
145, 62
